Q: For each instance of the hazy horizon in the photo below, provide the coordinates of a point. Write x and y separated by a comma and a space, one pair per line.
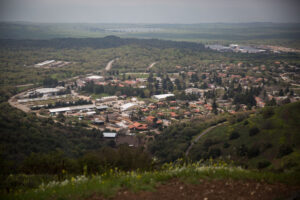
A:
154, 12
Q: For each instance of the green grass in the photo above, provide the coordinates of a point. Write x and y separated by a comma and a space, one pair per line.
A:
109, 183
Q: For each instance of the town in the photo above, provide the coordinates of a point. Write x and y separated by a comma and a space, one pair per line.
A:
134, 107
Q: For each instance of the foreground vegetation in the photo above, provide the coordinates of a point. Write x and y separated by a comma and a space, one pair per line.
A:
108, 183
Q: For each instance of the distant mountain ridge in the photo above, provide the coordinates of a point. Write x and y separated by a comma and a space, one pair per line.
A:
101, 43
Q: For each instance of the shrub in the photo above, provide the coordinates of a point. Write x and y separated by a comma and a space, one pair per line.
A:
268, 124
253, 152
263, 164
242, 150
266, 146
214, 152
207, 143
234, 135
284, 150
253, 131
268, 112
226, 145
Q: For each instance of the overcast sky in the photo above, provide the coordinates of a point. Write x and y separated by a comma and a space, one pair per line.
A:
150, 11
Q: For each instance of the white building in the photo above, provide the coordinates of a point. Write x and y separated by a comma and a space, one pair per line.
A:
95, 78
72, 108
49, 90
109, 135
108, 98
162, 96
128, 106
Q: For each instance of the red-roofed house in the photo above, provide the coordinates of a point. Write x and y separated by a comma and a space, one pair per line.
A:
138, 126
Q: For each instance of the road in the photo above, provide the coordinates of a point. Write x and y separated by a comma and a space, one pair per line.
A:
26, 85
150, 66
199, 136
14, 103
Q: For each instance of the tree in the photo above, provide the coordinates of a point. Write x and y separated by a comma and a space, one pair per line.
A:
61, 117
281, 93
150, 78
106, 119
50, 82
215, 107
271, 103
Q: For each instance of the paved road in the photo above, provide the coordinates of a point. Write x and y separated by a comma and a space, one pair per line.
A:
199, 136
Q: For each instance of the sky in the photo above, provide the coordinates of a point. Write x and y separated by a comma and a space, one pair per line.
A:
150, 11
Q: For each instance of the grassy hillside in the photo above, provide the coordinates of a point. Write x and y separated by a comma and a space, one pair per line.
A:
268, 139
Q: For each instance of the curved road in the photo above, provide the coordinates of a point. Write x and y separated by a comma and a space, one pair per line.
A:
199, 136
13, 102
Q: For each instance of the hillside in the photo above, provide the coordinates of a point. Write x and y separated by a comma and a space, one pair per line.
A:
267, 139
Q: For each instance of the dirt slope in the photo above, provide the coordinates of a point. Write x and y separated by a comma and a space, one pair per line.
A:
212, 190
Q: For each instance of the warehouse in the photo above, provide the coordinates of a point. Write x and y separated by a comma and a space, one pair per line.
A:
73, 108
162, 96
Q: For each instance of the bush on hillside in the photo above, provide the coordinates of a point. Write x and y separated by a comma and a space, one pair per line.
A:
284, 150
214, 153
226, 145
234, 135
263, 164
267, 124
268, 112
242, 150
253, 131
253, 152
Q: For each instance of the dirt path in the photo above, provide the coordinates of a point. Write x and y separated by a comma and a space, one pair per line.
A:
151, 65
211, 190
109, 65
199, 136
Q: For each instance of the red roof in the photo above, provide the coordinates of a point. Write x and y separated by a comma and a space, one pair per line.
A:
138, 126
173, 114
152, 106
150, 118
